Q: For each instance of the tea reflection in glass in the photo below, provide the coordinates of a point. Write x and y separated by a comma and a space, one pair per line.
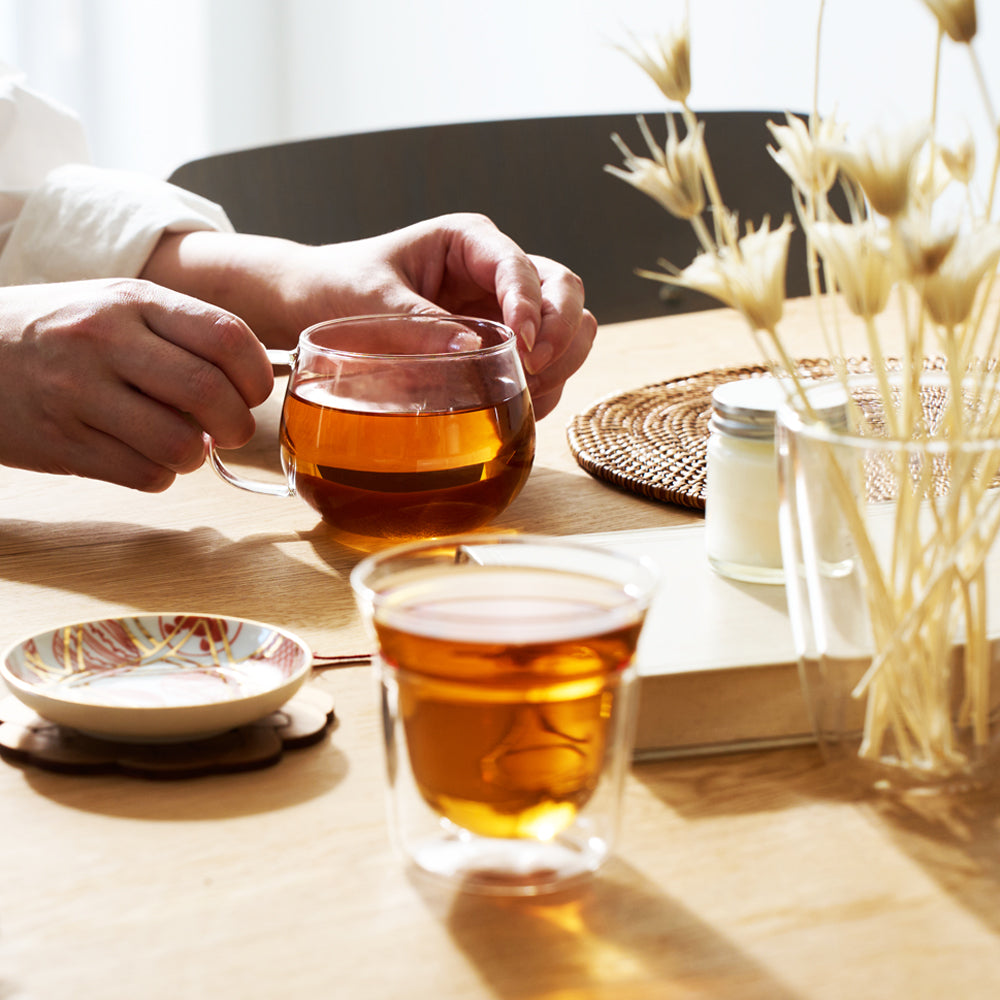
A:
506, 665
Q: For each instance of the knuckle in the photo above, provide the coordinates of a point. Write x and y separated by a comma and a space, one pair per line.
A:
571, 284
469, 220
480, 219
127, 291
231, 334
575, 282
205, 383
93, 318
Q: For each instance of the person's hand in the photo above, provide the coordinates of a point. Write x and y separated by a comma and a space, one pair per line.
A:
464, 265
120, 379
461, 264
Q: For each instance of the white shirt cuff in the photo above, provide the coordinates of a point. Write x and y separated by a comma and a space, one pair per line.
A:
89, 222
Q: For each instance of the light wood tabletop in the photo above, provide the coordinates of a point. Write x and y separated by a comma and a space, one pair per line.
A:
737, 875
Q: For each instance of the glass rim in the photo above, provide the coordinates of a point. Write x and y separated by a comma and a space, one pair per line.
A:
640, 590
508, 337
790, 419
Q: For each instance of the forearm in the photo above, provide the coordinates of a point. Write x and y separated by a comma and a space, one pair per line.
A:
251, 276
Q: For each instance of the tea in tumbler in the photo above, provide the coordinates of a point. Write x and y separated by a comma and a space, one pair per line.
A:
506, 667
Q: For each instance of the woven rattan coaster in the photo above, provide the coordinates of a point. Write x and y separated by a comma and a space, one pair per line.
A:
652, 441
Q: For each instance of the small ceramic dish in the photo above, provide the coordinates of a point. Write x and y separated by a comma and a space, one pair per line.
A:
166, 677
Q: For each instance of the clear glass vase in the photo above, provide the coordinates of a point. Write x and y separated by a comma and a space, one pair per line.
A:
889, 539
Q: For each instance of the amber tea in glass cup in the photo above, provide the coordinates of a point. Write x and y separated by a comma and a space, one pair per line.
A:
507, 678
402, 426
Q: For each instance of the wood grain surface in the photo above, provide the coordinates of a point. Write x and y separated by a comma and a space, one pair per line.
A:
750, 875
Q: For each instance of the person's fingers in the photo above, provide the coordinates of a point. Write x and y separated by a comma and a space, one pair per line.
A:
151, 370
92, 454
117, 380
547, 385
519, 294
478, 267
562, 315
173, 382
214, 335
543, 403
158, 432
563, 366
463, 265
160, 356
541, 300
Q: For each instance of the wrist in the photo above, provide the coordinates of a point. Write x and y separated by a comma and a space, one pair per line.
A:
250, 276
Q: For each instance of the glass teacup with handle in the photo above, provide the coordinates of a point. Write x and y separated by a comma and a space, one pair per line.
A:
402, 426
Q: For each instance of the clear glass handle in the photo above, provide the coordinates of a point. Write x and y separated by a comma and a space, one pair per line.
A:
278, 358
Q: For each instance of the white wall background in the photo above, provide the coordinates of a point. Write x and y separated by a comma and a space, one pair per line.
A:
159, 82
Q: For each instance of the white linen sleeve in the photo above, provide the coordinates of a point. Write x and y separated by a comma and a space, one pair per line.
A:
90, 222
62, 219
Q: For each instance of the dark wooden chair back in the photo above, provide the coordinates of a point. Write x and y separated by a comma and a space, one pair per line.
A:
541, 180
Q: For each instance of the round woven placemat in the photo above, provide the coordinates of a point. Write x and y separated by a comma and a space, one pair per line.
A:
652, 440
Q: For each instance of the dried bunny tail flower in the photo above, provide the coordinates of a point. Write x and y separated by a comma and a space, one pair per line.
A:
883, 166
810, 168
669, 64
937, 166
950, 293
960, 162
749, 277
861, 261
922, 246
956, 18
673, 177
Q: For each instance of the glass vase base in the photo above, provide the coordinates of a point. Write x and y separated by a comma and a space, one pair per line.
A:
891, 776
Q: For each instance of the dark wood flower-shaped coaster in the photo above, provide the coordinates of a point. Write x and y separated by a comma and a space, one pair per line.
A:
26, 738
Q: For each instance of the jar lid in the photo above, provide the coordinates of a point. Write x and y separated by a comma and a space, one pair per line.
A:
747, 407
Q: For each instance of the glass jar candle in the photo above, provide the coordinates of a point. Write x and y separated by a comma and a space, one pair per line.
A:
742, 540
741, 488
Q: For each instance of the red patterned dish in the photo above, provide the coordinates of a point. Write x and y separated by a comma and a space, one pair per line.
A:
164, 677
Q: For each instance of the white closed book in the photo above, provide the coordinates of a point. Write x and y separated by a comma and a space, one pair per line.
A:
717, 665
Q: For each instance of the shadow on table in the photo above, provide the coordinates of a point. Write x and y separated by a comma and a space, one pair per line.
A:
554, 502
617, 937
954, 838
148, 568
139, 568
596, 507
595, 504
731, 784
956, 841
299, 776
